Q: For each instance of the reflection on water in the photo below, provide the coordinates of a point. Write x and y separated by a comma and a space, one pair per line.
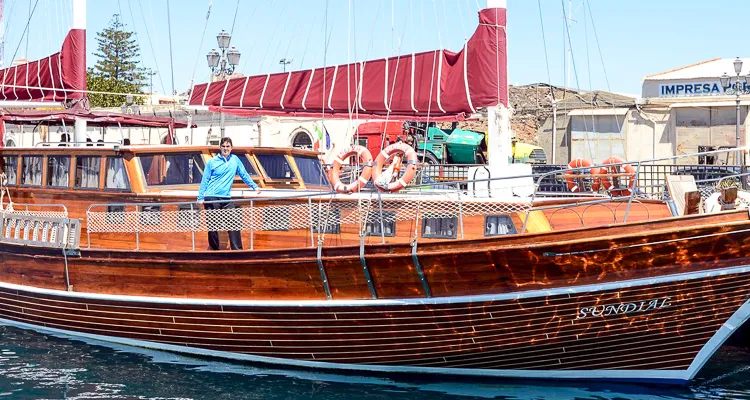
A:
40, 366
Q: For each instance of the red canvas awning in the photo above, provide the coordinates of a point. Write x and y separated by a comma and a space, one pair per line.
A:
59, 77
436, 84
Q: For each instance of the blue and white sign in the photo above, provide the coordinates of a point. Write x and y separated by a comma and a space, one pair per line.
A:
693, 89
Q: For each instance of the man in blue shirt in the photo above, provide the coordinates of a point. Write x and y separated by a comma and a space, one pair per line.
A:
216, 186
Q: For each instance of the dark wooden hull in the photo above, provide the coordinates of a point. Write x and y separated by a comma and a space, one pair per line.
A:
636, 301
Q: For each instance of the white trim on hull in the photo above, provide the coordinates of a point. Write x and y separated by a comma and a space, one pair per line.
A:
391, 302
649, 375
709, 348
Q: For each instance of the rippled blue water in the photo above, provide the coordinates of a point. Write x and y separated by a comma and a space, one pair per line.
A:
39, 366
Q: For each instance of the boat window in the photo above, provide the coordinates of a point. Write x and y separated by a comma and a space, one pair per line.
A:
276, 218
275, 165
115, 176
311, 171
498, 225
150, 215
172, 169
373, 226
31, 170
58, 171
88, 169
115, 214
10, 167
362, 142
326, 220
188, 216
436, 226
246, 163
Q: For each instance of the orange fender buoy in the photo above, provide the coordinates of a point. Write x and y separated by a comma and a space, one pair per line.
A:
405, 151
364, 158
610, 181
576, 185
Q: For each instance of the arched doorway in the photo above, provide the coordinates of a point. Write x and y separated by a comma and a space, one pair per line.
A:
302, 140
10, 143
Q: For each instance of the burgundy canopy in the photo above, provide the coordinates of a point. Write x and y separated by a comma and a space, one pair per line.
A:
431, 84
59, 77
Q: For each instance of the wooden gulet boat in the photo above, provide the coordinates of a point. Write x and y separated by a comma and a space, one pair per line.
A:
108, 243
423, 282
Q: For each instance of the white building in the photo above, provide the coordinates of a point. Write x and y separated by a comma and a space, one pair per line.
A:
681, 111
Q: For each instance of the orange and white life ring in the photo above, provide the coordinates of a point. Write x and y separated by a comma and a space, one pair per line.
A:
617, 171
576, 184
364, 159
403, 150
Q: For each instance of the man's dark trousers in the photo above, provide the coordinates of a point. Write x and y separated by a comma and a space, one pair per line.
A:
235, 239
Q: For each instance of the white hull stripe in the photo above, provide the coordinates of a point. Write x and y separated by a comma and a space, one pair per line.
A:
283, 94
466, 76
745, 269
633, 375
263, 93
307, 90
244, 88
440, 73
62, 84
361, 80
333, 86
224, 93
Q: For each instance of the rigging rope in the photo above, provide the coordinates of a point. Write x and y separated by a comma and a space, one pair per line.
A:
200, 46
153, 54
25, 30
171, 59
575, 73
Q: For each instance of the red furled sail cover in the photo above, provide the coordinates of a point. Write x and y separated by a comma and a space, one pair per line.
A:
436, 84
59, 77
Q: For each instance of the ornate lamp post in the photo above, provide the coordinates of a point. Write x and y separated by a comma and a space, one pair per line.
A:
738, 88
224, 61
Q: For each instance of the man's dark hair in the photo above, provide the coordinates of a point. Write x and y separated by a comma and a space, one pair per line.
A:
226, 140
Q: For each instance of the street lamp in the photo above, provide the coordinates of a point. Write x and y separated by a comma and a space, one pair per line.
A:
285, 61
738, 88
224, 61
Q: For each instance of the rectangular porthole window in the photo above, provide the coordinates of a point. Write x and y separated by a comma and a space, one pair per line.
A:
150, 215
438, 226
115, 214
328, 220
388, 226
498, 225
188, 216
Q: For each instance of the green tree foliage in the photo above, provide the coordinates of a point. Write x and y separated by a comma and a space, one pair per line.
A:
99, 83
116, 69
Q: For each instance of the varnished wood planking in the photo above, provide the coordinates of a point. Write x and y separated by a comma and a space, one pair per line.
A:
401, 354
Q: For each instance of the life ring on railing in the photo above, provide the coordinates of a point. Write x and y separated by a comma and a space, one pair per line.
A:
570, 176
405, 151
365, 159
713, 203
615, 172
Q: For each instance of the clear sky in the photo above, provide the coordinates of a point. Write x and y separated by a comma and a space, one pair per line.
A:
636, 37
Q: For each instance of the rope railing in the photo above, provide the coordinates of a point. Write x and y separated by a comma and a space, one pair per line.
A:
365, 214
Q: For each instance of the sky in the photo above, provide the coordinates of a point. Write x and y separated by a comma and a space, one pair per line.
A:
614, 43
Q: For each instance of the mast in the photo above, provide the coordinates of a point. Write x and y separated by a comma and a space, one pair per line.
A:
79, 22
499, 148
2, 34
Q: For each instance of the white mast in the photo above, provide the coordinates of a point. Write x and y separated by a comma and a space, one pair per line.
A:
79, 22
499, 148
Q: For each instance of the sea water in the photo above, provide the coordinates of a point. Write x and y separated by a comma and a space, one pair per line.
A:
35, 365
